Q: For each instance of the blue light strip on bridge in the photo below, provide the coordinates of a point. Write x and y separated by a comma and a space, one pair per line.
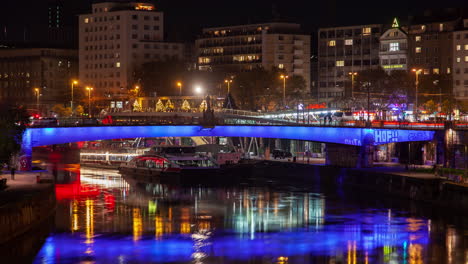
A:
339, 135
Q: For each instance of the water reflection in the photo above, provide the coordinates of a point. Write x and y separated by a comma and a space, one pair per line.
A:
109, 221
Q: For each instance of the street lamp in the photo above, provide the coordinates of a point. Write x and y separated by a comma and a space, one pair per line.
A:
353, 75
37, 92
417, 72
284, 77
179, 84
228, 81
73, 83
89, 89
137, 89
198, 89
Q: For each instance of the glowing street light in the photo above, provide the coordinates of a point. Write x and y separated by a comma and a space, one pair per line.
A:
417, 72
198, 89
284, 77
228, 81
37, 92
89, 89
73, 83
179, 84
353, 75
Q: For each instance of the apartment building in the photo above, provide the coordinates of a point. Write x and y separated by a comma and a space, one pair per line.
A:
460, 63
49, 70
238, 48
341, 51
116, 39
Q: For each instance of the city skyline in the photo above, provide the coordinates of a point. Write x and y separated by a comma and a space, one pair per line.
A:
19, 24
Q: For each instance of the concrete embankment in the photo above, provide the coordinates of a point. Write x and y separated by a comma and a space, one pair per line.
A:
24, 204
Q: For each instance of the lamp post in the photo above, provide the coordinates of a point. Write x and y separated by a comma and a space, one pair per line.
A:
73, 83
353, 75
284, 77
417, 72
37, 92
228, 81
179, 84
89, 89
137, 90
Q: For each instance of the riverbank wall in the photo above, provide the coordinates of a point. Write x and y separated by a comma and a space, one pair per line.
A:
385, 182
25, 210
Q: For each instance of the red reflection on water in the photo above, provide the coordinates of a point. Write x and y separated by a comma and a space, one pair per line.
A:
74, 190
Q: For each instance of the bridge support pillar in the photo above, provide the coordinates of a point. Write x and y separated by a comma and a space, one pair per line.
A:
25, 156
349, 156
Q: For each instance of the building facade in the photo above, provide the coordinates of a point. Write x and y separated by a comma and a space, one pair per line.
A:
49, 70
244, 47
393, 53
341, 51
460, 63
116, 39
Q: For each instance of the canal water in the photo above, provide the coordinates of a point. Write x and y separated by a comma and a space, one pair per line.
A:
101, 218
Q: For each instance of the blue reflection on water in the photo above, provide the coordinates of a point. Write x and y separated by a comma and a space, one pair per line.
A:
170, 248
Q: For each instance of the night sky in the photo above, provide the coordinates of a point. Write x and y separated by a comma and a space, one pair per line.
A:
184, 19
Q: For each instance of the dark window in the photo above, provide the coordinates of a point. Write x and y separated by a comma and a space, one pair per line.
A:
134, 17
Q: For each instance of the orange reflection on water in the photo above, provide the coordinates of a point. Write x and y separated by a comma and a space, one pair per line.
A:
159, 226
415, 254
137, 224
89, 221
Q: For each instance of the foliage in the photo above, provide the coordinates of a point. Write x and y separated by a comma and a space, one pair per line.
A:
79, 110
159, 77
203, 106
186, 106
169, 105
136, 106
62, 111
430, 106
160, 106
13, 120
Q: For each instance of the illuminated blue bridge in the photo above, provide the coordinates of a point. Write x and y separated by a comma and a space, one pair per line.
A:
35, 137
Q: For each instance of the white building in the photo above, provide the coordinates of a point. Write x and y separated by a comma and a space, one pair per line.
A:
460, 63
393, 52
117, 38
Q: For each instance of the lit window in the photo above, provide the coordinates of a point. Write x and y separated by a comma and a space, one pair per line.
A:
394, 46
281, 66
466, 58
366, 31
117, 64
339, 63
331, 43
435, 71
418, 49
418, 38
349, 42
441, 27
423, 27
458, 47
466, 47
203, 60
86, 20
426, 71
448, 70
458, 59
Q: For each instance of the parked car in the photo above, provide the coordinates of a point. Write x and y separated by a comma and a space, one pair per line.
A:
281, 154
44, 122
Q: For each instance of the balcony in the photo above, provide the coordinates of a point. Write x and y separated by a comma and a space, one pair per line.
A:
298, 61
298, 52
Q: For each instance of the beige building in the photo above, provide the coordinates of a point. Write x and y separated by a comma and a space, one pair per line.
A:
49, 70
116, 39
393, 52
460, 63
238, 48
